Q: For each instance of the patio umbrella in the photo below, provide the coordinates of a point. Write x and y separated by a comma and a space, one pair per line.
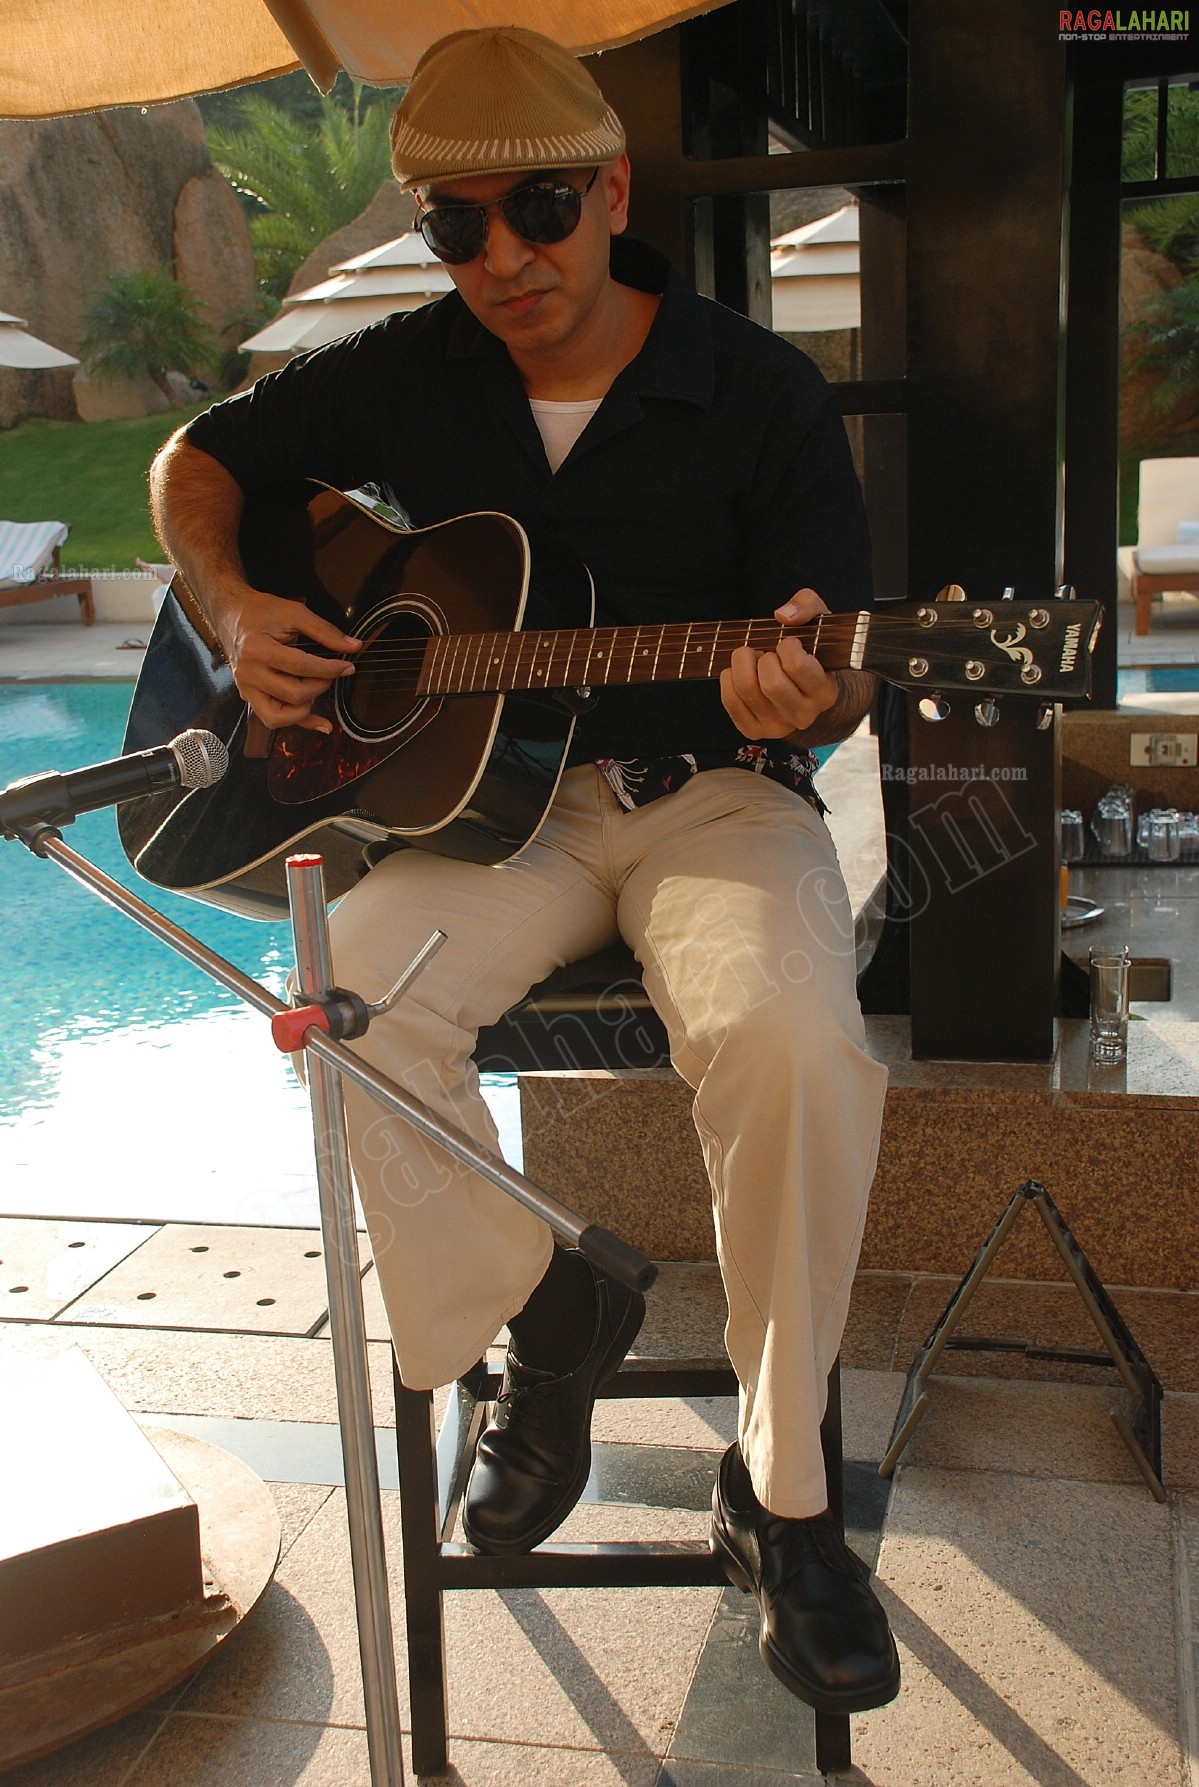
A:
399, 275
57, 57
19, 348
814, 274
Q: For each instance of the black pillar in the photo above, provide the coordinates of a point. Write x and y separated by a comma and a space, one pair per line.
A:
642, 83
1092, 422
986, 161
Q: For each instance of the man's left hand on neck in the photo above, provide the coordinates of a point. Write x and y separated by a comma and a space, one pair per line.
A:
788, 694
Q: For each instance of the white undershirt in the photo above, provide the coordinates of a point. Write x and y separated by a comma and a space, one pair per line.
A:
561, 424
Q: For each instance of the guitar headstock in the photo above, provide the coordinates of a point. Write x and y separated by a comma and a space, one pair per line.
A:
1004, 647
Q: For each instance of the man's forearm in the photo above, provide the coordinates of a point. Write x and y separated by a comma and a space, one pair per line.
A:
196, 507
197, 510
855, 692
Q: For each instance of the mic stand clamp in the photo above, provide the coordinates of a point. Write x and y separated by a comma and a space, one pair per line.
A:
341, 1015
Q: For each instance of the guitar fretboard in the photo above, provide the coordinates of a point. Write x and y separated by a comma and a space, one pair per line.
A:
589, 657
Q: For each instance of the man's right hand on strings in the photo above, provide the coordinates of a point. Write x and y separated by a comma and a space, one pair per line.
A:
262, 636
197, 510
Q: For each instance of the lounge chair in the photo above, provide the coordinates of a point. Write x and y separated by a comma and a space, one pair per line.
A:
1167, 552
30, 569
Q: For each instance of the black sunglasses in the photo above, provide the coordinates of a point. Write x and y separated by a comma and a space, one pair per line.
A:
541, 214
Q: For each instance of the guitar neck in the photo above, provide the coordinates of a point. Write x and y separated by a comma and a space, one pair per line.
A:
591, 657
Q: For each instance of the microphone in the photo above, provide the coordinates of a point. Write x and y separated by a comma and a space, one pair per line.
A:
194, 759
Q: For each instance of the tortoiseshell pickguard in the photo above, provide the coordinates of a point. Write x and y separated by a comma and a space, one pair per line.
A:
304, 765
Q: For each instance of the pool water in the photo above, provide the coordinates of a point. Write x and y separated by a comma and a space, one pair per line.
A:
1159, 679
131, 1084
73, 966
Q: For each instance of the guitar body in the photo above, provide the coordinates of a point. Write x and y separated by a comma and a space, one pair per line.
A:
470, 776
452, 732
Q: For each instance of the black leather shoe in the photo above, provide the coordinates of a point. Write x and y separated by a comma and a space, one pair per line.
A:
533, 1460
823, 1631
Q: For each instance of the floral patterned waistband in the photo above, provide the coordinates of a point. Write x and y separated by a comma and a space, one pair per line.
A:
636, 781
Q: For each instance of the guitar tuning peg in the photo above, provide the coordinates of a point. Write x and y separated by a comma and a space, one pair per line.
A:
1009, 593
952, 592
987, 713
1045, 716
933, 707
1066, 592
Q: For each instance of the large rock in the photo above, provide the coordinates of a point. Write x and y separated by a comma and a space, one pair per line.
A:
116, 399
214, 257
81, 198
388, 215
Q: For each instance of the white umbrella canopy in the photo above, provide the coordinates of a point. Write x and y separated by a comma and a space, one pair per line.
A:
25, 351
814, 275
58, 57
398, 275
313, 325
426, 283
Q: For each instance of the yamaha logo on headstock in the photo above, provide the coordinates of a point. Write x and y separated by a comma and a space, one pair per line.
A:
1070, 646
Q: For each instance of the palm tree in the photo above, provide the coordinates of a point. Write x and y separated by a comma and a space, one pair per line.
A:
144, 325
1170, 225
303, 182
1166, 337
1170, 332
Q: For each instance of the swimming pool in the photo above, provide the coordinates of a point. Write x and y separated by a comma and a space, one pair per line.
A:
1158, 679
132, 1085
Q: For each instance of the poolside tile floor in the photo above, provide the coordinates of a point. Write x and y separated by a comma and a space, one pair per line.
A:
1042, 1600
45, 1266
266, 1281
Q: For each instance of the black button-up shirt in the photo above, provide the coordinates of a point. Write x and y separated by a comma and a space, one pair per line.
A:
713, 481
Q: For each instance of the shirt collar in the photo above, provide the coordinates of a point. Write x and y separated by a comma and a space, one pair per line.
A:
677, 359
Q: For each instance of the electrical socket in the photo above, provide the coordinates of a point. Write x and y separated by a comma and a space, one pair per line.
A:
1164, 749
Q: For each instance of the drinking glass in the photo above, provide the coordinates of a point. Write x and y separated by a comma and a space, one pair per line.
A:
1163, 842
1109, 1005
1111, 823
1073, 836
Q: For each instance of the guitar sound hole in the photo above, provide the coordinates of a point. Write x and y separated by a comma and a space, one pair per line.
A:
381, 694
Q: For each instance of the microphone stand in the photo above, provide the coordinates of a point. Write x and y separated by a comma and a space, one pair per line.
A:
328, 1015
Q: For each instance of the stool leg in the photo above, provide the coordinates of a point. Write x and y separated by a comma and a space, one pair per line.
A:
416, 1443
832, 1729
831, 1446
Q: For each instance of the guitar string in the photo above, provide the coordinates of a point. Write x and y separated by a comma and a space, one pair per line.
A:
600, 644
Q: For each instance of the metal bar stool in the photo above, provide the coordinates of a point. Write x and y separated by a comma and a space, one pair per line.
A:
570, 1020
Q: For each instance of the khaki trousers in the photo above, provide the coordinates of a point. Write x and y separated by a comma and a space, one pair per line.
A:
730, 894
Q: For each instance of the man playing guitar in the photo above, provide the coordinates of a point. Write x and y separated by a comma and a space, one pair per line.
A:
699, 467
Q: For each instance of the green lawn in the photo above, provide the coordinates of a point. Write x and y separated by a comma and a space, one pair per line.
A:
92, 475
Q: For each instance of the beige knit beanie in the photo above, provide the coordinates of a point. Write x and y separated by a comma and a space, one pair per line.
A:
501, 100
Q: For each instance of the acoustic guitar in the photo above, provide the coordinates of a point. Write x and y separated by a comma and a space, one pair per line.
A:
453, 731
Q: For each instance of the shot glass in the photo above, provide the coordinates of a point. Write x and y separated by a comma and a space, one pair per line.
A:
1109, 1006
